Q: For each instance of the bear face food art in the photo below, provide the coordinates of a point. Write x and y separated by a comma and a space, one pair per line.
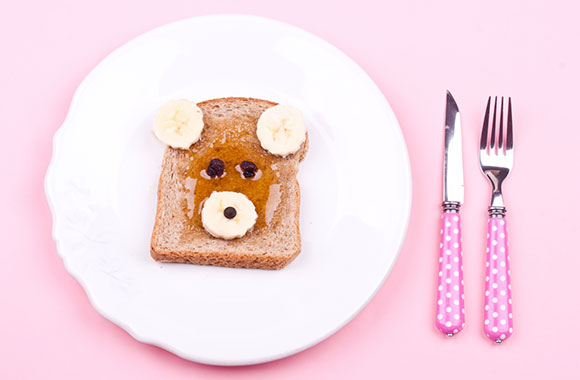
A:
232, 183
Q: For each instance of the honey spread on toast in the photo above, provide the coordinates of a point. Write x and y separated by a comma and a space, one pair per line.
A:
232, 146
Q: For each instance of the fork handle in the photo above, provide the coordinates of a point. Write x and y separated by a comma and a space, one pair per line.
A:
450, 308
498, 321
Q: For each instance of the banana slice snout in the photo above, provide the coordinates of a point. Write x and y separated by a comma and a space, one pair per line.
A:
178, 123
281, 130
221, 221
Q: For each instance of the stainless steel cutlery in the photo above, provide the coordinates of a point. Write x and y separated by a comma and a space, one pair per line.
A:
496, 160
450, 310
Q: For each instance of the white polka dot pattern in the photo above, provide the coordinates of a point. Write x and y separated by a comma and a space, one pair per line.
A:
498, 302
450, 308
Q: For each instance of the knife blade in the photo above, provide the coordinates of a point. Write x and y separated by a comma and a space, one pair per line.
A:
453, 159
450, 305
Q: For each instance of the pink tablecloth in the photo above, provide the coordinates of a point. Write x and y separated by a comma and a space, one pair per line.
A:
414, 50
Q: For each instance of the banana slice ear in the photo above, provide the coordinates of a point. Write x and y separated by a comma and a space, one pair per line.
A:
178, 123
281, 130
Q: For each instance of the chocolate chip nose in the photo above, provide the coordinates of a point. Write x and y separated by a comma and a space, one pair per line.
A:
230, 212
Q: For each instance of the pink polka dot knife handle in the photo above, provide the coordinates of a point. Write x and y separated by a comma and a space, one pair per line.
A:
450, 310
498, 322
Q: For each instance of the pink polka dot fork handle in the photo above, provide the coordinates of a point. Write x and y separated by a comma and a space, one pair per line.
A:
450, 308
498, 321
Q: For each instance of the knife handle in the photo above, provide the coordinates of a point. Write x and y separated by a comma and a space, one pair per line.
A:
450, 307
498, 322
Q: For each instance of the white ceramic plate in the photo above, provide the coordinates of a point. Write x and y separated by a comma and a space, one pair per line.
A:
355, 182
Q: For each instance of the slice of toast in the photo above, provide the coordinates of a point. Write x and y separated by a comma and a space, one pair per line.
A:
229, 133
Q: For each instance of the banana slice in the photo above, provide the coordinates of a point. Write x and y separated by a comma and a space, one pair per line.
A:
281, 130
178, 123
228, 215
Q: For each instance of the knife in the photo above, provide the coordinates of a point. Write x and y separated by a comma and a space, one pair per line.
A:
450, 305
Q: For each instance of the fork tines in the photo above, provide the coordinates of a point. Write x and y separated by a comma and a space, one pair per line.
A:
488, 141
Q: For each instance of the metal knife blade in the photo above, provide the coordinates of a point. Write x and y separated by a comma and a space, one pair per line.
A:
453, 161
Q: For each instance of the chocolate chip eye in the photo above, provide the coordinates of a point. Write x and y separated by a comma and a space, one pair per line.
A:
230, 212
215, 168
248, 166
249, 169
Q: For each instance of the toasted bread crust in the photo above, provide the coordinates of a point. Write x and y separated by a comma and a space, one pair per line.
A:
271, 248
238, 260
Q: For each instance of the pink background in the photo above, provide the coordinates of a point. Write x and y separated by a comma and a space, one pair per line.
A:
414, 50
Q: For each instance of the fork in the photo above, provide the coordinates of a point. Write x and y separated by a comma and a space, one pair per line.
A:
496, 160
